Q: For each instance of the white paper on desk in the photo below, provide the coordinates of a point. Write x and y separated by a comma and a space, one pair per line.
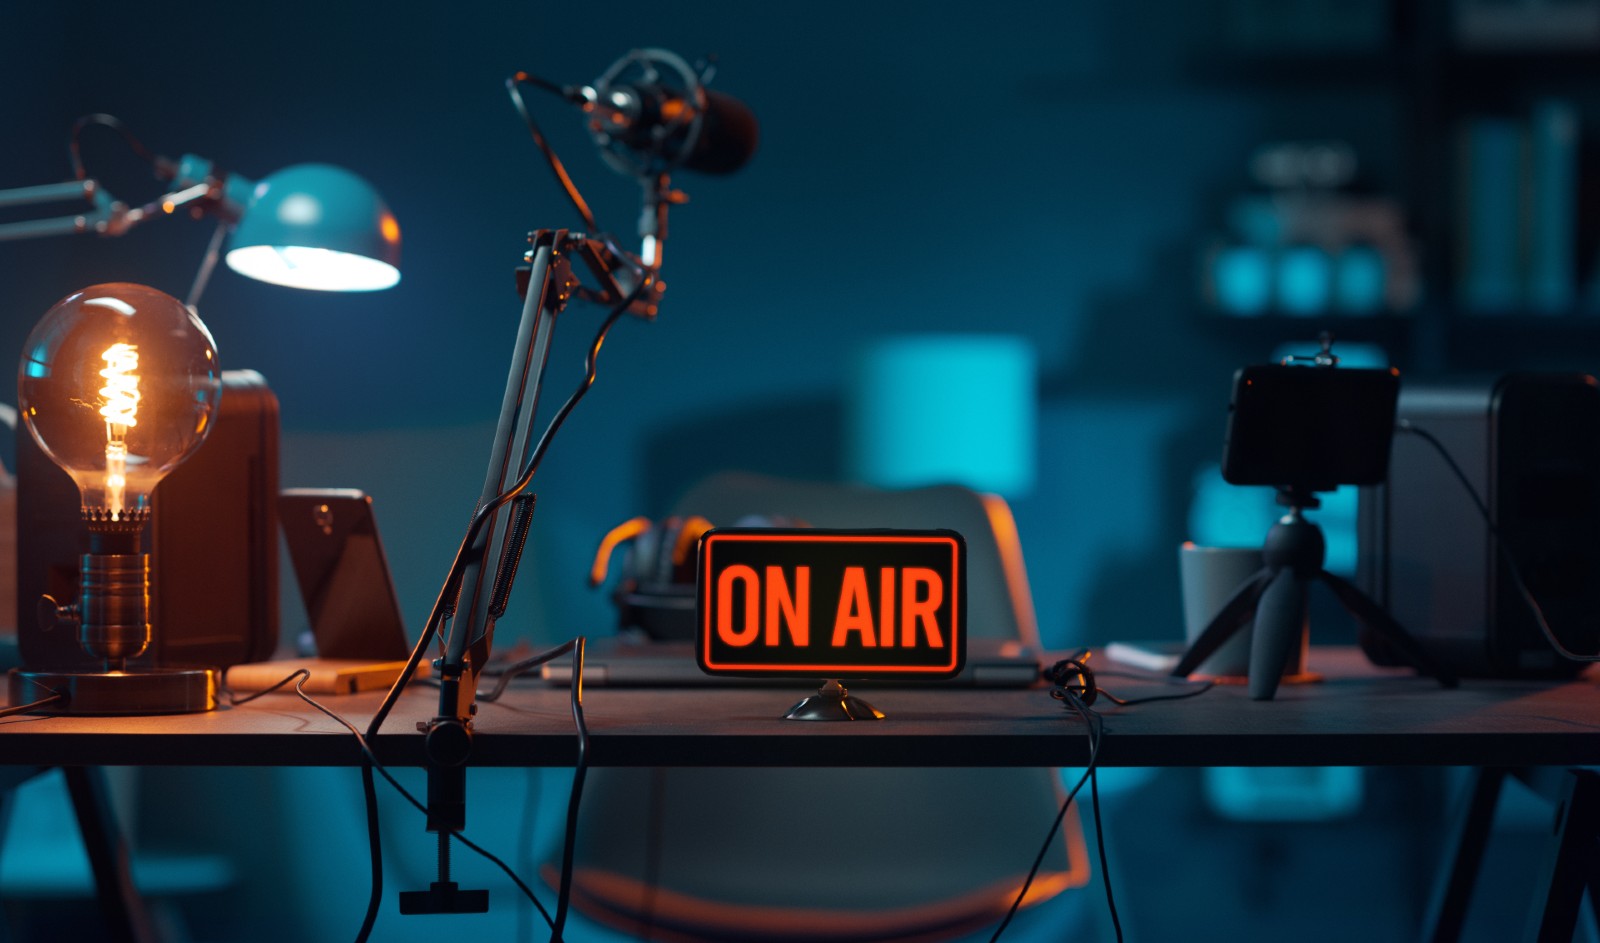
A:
1151, 656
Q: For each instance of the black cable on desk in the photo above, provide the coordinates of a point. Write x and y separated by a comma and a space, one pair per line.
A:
1405, 425
31, 705
235, 700
580, 771
1100, 845
580, 768
1072, 683
444, 602
370, 763
374, 764
1095, 728
1192, 688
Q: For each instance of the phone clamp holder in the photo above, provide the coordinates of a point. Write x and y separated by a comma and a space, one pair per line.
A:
1275, 601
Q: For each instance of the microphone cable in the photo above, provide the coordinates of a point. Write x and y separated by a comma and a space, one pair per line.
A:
556, 166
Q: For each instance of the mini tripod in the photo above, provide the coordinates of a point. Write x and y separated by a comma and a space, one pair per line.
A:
1276, 600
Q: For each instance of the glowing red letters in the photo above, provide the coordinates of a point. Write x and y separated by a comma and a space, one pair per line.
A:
772, 606
810, 602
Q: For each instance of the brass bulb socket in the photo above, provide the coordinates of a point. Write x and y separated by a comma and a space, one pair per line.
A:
114, 606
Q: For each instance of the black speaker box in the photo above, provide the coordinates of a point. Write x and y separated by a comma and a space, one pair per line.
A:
1530, 445
212, 539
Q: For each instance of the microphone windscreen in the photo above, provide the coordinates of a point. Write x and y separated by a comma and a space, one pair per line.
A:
728, 136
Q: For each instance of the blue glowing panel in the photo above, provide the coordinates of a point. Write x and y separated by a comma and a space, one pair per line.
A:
1284, 794
928, 409
1360, 280
1242, 280
1224, 515
1305, 281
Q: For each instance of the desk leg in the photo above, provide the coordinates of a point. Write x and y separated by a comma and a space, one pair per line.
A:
1447, 912
126, 917
1569, 870
10, 778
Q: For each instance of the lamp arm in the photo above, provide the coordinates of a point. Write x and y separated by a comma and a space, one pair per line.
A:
103, 208
50, 193
109, 216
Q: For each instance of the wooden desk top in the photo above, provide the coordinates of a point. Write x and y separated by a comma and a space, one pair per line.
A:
1357, 716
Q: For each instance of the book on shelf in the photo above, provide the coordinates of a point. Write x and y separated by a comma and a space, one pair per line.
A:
1517, 235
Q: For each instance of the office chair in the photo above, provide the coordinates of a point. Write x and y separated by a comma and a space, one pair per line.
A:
814, 855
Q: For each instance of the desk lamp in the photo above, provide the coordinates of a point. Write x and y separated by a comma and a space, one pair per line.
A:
310, 226
119, 385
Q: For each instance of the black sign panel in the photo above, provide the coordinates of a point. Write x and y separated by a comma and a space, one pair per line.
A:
815, 603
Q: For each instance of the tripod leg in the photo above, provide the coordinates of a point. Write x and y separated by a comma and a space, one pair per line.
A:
1384, 626
1233, 616
1280, 620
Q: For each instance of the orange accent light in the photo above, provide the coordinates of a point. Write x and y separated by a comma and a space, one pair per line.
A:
688, 535
1015, 569
619, 534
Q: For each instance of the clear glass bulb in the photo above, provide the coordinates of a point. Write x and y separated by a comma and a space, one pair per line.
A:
119, 384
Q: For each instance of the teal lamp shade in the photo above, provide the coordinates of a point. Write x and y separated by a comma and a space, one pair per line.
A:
944, 408
317, 226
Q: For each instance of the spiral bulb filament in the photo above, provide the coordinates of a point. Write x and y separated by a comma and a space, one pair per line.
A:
120, 406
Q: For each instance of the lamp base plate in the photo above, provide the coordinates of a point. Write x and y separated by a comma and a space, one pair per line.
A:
139, 691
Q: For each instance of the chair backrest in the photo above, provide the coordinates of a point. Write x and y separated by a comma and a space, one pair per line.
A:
816, 855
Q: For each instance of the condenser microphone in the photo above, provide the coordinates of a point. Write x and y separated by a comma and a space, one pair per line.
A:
645, 125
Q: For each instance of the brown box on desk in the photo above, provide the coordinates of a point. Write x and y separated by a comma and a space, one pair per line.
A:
213, 542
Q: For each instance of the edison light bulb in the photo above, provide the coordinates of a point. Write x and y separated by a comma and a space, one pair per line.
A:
118, 384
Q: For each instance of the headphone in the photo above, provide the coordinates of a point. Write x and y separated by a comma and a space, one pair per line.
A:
656, 591
1071, 679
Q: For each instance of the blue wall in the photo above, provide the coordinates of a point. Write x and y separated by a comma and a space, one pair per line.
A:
1035, 172
1037, 169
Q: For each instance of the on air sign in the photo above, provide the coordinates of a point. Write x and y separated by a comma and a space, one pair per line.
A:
831, 604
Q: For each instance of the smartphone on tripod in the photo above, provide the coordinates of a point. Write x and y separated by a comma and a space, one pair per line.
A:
1310, 427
